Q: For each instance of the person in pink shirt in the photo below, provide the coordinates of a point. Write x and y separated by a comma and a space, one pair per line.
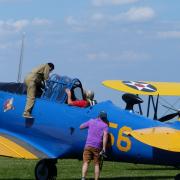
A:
95, 143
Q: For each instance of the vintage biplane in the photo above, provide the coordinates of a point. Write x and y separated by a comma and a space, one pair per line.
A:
54, 132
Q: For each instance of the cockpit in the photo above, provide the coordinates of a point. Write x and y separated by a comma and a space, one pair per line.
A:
56, 85
54, 89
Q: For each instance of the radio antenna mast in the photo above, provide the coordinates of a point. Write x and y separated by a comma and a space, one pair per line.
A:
21, 59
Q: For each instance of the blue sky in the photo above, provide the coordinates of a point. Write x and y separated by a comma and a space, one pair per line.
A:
93, 40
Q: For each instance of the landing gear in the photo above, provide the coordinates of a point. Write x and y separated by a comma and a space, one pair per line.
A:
177, 177
46, 169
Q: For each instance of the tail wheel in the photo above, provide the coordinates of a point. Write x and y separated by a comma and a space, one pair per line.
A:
46, 169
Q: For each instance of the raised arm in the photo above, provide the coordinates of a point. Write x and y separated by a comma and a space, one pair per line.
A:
69, 100
84, 125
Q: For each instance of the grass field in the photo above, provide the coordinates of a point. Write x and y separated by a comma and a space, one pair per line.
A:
14, 169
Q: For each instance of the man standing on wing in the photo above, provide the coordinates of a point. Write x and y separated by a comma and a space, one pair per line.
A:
33, 81
95, 143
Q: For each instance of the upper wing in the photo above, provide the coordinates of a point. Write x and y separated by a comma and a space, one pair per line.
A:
160, 137
13, 147
144, 88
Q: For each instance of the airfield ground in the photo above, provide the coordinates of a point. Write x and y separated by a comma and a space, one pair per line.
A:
15, 169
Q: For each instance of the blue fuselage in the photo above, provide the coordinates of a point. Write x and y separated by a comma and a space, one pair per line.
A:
55, 130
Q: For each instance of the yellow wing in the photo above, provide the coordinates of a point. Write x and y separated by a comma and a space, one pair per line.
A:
12, 149
160, 137
144, 88
11, 146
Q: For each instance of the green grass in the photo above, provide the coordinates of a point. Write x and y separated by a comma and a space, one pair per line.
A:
13, 169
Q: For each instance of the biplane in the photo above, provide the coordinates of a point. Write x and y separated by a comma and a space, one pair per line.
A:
54, 132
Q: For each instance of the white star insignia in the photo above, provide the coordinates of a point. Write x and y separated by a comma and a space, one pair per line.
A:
140, 86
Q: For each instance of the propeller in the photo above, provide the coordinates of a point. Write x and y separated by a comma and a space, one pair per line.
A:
170, 116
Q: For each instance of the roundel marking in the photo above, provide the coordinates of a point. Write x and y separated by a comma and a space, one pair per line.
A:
140, 86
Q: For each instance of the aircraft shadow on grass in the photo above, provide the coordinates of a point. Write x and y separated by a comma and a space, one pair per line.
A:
14, 179
129, 178
154, 169
113, 178
107, 178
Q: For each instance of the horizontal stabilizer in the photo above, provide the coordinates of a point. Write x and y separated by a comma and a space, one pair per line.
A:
159, 137
144, 88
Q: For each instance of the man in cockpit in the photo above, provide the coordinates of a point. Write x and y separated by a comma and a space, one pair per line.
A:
35, 80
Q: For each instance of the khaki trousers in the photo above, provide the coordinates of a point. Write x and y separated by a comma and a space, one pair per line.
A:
31, 95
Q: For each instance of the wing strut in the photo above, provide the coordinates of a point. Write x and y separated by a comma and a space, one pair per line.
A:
149, 103
140, 108
155, 105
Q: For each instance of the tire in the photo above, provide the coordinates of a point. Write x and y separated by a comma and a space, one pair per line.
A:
52, 172
177, 177
45, 170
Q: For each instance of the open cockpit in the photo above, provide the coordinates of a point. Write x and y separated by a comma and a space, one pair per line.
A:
54, 89
56, 85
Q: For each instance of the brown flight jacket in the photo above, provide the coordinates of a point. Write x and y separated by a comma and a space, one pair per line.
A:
39, 74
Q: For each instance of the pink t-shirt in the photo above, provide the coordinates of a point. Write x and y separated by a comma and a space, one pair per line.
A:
96, 128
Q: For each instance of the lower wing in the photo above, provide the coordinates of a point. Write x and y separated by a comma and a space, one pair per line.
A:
12, 146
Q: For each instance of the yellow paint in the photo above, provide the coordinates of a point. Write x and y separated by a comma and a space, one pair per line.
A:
122, 138
112, 139
11, 149
160, 137
163, 88
113, 125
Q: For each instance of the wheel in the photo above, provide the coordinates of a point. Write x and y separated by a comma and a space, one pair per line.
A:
177, 167
177, 177
52, 172
46, 170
